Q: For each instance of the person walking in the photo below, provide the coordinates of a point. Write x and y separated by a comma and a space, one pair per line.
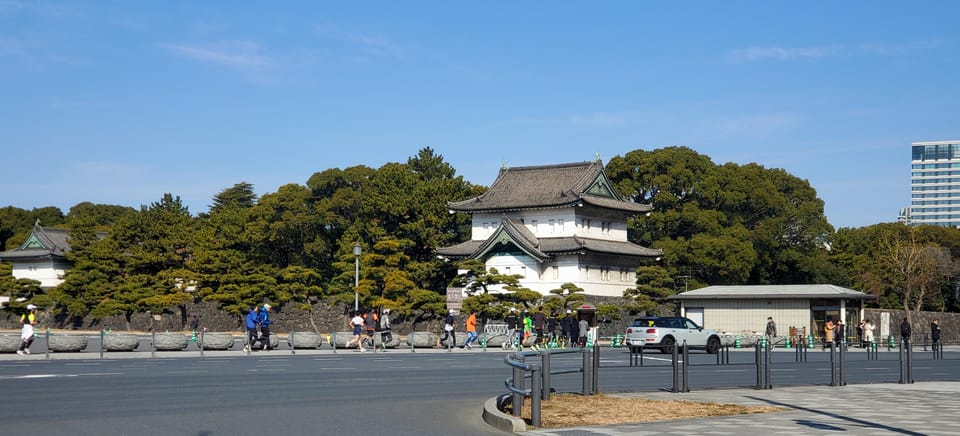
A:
574, 330
935, 334
860, 340
27, 321
840, 333
512, 321
265, 322
471, 330
905, 331
357, 323
868, 333
583, 330
251, 323
370, 325
527, 328
828, 335
539, 321
448, 331
552, 330
566, 337
771, 329
385, 334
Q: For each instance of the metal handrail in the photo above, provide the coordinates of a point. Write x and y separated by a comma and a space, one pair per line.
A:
539, 377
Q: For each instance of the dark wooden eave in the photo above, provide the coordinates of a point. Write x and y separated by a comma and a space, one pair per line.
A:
43, 242
543, 248
549, 186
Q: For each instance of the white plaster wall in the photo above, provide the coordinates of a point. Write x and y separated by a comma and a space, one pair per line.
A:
742, 316
47, 272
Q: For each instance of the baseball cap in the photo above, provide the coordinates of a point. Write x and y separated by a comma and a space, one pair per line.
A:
451, 311
31, 307
267, 306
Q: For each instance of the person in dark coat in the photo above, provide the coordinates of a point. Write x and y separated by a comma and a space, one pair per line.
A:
905, 330
935, 334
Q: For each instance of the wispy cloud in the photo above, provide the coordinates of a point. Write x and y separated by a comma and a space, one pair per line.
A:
377, 46
235, 54
758, 53
364, 44
790, 53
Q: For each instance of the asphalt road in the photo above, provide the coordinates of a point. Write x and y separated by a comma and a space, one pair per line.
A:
397, 393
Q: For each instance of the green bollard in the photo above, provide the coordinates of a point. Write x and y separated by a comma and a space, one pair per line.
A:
736, 342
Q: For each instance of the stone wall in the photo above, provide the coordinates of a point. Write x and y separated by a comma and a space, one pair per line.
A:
949, 324
321, 318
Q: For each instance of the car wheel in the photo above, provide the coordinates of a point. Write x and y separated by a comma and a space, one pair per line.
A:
666, 345
713, 345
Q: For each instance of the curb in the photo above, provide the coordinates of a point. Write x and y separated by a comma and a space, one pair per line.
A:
501, 421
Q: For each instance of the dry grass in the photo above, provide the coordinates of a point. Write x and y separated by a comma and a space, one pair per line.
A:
571, 410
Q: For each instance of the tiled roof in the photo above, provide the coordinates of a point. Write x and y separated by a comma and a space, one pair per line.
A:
52, 242
549, 186
543, 248
772, 291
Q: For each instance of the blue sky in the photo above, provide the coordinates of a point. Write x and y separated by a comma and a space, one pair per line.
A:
119, 102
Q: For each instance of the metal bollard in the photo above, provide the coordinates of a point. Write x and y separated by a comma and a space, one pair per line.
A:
756, 359
47, 352
545, 364
843, 365
535, 395
902, 369
201, 341
102, 334
768, 357
833, 365
686, 373
517, 399
676, 374
291, 338
153, 344
595, 368
586, 372
906, 344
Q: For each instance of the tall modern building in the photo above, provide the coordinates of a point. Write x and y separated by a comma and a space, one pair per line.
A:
934, 184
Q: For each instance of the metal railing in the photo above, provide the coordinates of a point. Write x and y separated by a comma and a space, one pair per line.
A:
540, 376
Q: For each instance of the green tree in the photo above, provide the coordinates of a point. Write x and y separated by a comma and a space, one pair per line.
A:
240, 195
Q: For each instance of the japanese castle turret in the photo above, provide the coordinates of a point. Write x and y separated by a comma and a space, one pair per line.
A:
554, 224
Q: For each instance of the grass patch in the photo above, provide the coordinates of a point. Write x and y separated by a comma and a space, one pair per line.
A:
572, 410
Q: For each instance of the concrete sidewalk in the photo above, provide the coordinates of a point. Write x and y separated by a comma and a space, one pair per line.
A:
927, 408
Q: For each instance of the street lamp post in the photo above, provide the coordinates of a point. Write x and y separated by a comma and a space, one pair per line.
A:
356, 276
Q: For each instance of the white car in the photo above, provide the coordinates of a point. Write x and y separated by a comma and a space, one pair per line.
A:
664, 332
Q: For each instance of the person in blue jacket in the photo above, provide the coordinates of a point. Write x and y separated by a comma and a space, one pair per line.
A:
251, 324
264, 321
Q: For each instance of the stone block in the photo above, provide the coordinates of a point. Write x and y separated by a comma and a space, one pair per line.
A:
120, 342
170, 341
67, 343
304, 340
494, 340
217, 340
422, 339
340, 339
9, 343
